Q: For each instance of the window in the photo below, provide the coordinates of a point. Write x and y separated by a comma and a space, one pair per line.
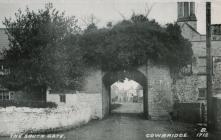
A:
202, 93
62, 98
2, 68
5, 95
216, 64
187, 70
11, 95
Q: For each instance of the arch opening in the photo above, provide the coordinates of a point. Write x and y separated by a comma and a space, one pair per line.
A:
126, 97
113, 78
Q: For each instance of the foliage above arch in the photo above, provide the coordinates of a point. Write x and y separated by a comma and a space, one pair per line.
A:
49, 49
132, 42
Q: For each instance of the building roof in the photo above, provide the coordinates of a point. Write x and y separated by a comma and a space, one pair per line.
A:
62, 91
192, 28
193, 35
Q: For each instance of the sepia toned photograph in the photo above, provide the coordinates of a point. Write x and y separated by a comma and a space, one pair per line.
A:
110, 70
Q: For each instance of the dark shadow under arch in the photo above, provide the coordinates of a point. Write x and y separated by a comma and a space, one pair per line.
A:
133, 74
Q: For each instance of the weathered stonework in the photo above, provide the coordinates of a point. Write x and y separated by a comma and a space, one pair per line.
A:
187, 88
191, 84
155, 80
159, 91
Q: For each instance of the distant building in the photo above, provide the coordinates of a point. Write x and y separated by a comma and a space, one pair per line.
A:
193, 87
4, 44
5, 94
121, 95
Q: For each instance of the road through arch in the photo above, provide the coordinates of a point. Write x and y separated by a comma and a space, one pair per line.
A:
111, 77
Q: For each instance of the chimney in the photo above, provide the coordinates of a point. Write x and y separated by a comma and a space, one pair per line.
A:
186, 14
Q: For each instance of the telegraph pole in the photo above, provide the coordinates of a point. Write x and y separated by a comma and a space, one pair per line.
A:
208, 65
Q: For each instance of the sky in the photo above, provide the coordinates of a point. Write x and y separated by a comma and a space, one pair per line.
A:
126, 84
163, 11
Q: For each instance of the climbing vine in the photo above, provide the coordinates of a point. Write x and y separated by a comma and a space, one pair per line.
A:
132, 42
48, 49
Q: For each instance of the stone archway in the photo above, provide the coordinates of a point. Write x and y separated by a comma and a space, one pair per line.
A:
111, 77
154, 78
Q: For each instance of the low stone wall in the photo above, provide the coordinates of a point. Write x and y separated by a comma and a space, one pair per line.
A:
71, 98
94, 100
23, 120
185, 89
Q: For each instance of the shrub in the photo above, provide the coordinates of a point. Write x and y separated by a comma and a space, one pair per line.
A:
31, 104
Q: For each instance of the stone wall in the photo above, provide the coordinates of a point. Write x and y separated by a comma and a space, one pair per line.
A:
159, 96
198, 42
92, 82
94, 92
106, 100
186, 88
20, 120
160, 100
71, 98
94, 100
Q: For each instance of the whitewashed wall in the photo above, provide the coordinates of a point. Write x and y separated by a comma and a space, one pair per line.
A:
92, 99
19, 120
71, 99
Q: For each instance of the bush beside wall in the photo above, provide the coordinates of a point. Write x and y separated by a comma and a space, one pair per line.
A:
31, 104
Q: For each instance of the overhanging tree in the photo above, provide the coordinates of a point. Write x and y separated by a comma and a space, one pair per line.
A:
42, 50
130, 43
45, 49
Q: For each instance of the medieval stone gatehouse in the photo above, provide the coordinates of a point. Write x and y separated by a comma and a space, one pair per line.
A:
160, 89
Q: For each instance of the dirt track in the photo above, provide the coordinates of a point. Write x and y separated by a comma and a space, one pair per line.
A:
125, 127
